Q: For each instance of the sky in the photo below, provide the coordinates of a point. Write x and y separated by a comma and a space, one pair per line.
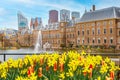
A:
40, 8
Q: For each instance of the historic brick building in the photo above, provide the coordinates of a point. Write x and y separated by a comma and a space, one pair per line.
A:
99, 27
95, 28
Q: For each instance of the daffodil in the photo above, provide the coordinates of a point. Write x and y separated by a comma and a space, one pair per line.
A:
62, 76
65, 66
99, 78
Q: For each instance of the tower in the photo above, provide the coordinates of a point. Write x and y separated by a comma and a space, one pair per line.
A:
75, 15
36, 23
22, 21
64, 15
53, 16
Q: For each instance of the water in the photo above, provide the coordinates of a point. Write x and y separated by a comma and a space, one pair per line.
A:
28, 51
20, 51
38, 49
38, 45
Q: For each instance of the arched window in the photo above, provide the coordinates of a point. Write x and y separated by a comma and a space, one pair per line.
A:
88, 40
111, 41
93, 31
99, 41
105, 40
82, 32
98, 31
93, 41
119, 33
78, 33
104, 31
111, 31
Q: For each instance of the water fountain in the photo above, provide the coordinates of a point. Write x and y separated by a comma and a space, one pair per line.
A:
38, 45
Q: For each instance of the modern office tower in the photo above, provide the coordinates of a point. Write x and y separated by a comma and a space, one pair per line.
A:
22, 21
53, 16
64, 15
75, 15
36, 23
93, 7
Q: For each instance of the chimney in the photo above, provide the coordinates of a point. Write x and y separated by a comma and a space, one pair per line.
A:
93, 7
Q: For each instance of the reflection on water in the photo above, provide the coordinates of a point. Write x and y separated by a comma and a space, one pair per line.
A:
20, 51
28, 51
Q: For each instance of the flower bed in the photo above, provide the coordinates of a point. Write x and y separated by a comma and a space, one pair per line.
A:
67, 66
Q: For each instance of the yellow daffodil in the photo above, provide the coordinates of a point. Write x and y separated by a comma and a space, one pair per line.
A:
62, 76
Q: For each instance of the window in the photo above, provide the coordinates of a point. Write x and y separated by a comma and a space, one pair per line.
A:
78, 33
73, 35
98, 23
111, 41
83, 41
110, 22
104, 31
119, 33
98, 40
82, 25
105, 41
93, 31
93, 41
82, 32
110, 30
78, 41
88, 32
104, 23
88, 40
98, 31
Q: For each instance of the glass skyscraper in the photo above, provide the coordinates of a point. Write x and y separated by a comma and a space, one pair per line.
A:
64, 15
22, 21
75, 15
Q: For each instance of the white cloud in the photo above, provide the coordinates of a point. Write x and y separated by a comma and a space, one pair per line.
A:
34, 6
23, 1
55, 4
107, 3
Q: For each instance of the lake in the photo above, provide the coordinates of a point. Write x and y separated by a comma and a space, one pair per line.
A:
20, 51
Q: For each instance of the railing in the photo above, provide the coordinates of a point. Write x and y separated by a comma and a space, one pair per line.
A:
14, 54
110, 55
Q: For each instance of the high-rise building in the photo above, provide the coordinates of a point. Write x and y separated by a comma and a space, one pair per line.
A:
53, 16
75, 15
36, 23
64, 15
22, 21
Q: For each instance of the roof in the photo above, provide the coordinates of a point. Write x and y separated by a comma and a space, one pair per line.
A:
106, 13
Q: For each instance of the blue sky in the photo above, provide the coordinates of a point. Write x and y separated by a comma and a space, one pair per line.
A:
40, 8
